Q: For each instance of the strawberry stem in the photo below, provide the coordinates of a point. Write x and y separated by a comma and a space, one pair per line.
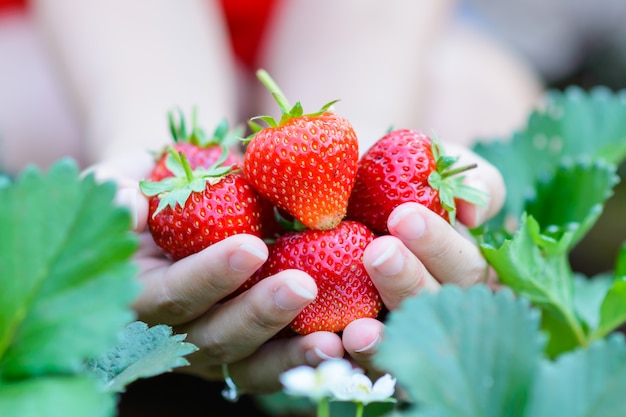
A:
273, 88
450, 172
182, 160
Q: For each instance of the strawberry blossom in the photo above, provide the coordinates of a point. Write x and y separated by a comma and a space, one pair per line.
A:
316, 383
359, 389
337, 380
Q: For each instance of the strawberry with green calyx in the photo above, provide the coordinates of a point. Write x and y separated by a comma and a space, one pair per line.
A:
197, 208
199, 149
305, 164
334, 259
407, 165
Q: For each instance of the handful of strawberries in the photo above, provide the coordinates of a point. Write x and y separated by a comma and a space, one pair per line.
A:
304, 168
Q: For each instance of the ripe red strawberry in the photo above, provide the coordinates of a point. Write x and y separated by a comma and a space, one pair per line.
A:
406, 165
200, 151
334, 258
304, 164
195, 209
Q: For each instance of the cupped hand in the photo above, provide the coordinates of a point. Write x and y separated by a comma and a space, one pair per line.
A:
423, 252
241, 332
244, 331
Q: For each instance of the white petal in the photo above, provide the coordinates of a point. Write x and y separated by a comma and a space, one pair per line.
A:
383, 388
299, 381
334, 369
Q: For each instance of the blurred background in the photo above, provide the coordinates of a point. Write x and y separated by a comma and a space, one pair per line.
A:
552, 43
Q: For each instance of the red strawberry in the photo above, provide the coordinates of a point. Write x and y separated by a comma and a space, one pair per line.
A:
194, 209
305, 164
406, 165
200, 151
334, 258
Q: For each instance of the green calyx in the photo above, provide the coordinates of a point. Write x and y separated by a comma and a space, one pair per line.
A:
289, 225
449, 183
288, 112
175, 190
222, 135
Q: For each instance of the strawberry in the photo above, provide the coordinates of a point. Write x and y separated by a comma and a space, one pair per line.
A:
200, 151
305, 164
194, 209
407, 165
334, 259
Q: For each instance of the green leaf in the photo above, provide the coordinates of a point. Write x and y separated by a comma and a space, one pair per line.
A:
613, 309
55, 396
532, 268
463, 352
572, 123
521, 264
571, 200
142, 353
65, 272
585, 382
588, 296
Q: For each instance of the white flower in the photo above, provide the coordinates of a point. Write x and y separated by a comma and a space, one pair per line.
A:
359, 389
316, 383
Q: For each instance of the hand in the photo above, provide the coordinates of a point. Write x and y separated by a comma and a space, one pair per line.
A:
423, 251
188, 295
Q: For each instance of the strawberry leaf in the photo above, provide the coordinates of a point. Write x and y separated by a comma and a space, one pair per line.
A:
613, 309
584, 382
463, 352
531, 267
142, 353
55, 396
572, 198
65, 274
573, 123
588, 296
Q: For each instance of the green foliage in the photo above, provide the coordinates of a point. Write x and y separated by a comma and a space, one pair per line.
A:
478, 353
464, 353
584, 382
55, 396
66, 279
559, 171
142, 353
67, 284
572, 123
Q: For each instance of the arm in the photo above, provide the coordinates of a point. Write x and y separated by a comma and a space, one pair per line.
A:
126, 64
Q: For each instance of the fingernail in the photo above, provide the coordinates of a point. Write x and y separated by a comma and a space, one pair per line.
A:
406, 222
315, 356
370, 348
247, 259
127, 197
390, 262
291, 296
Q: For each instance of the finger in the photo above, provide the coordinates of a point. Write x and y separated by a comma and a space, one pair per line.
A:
486, 178
137, 204
125, 172
259, 372
236, 328
177, 292
396, 271
448, 256
361, 339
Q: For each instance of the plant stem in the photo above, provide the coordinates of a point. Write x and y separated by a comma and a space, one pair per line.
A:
359, 409
457, 170
323, 408
273, 88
